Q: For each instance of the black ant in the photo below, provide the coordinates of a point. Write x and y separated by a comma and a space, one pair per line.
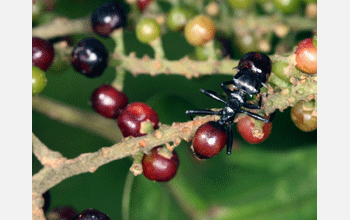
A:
254, 69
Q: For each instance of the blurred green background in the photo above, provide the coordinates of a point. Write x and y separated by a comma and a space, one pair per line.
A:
272, 180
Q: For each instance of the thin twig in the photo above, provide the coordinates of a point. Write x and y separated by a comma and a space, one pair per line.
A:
87, 120
46, 156
62, 26
48, 176
126, 196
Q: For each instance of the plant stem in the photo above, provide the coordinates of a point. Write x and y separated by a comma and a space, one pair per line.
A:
157, 46
118, 82
187, 198
127, 195
70, 115
49, 176
118, 37
136, 167
62, 26
210, 48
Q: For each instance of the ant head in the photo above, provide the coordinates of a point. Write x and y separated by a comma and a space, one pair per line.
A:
258, 63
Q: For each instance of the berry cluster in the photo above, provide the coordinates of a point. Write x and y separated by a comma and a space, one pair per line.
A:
138, 119
302, 113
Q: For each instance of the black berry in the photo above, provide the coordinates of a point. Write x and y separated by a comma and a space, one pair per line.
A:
90, 57
92, 214
107, 18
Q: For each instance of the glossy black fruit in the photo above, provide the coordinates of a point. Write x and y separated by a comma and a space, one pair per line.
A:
90, 57
107, 18
92, 214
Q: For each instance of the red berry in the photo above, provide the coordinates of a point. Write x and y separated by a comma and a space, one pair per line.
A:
306, 56
160, 165
142, 4
108, 101
107, 18
92, 214
245, 126
133, 115
209, 140
42, 53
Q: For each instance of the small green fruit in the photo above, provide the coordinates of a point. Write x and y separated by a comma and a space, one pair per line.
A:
38, 80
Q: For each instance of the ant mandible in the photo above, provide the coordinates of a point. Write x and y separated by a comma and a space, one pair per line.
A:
254, 70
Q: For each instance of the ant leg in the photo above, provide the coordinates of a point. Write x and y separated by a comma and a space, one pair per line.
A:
213, 95
202, 111
227, 90
251, 106
229, 140
256, 116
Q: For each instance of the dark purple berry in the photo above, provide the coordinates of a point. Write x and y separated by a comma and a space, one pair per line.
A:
42, 53
257, 62
62, 213
92, 214
107, 18
90, 57
160, 165
108, 101
209, 140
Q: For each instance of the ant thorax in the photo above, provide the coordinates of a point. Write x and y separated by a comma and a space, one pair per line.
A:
237, 98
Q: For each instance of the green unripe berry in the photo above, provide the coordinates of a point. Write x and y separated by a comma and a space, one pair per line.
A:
38, 80
147, 30
178, 18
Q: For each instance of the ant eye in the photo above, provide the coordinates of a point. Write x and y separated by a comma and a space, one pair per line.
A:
254, 68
